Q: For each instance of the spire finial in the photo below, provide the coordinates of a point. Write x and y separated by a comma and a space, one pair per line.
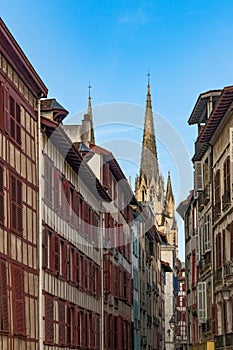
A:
89, 88
148, 77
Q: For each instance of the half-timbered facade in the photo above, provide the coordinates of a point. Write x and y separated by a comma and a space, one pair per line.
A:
20, 92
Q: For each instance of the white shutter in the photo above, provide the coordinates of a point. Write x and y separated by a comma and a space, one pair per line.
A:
201, 302
198, 177
231, 144
197, 248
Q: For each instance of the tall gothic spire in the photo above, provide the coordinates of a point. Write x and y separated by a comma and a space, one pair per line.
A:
89, 112
169, 201
149, 159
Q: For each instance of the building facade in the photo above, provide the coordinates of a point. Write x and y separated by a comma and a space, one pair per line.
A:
20, 92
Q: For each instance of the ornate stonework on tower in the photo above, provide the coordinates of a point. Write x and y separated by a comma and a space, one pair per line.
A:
149, 185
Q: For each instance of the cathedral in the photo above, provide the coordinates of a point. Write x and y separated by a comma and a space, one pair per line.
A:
149, 185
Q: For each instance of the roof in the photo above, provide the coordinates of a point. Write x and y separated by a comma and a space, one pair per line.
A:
18, 60
184, 205
199, 113
166, 266
217, 114
64, 145
50, 104
116, 170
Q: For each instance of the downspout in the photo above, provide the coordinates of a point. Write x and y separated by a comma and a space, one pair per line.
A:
39, 158
101, 279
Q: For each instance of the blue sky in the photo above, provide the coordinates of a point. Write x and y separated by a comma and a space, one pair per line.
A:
187, 46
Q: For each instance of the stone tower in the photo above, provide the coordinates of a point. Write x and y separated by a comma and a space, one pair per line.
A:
149, 185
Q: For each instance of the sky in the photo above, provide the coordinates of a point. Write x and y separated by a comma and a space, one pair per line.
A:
185, 45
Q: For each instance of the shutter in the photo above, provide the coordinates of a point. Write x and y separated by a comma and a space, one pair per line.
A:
120, 332
6, 110
231, 143
61, 317
97, 327
1, 194
76, 267
19, 218
57, 180
214, 319
18, 123
19, 302
198, 177
197, 238
106, 330
106, 273
45, 248
56, 254
1, 106
201, 302
4, 326
106, 175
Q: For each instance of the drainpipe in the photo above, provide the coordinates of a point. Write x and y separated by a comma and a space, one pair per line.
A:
101, 279
39, 159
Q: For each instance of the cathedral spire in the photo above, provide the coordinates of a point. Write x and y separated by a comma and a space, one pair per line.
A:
169, 201
89, 112
149, 159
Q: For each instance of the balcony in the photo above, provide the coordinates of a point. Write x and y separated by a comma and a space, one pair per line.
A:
219, 341
205, 261
223, 340
218, 275
217, 211
203, 197
226, 200
228, 269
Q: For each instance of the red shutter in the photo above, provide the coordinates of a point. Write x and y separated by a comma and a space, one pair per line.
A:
45, 247
57, 190
6, 110
214, 320
106, 330
77, 267
1, 194
3, 296
56, 254
1, 106
61, 318
106, 175
120, 332
19, 300
97, 327
107, 273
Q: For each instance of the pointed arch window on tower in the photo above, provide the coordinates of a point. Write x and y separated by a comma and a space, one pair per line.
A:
152, 194
143, 194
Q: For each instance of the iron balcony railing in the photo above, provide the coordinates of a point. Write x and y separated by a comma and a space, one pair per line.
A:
226, 200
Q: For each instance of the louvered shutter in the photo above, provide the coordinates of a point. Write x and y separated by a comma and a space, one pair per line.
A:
97, 332
56, 253
6, 110
198, 177
61, 318
19, 300
106, 175
106, 346
45, 247
197, 238
1, 106
4, 326
1, 194
120, 332
201, 302
106, 273
214, 320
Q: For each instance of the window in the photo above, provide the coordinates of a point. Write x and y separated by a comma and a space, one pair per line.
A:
218, 251
3, 296
49, 319
48, 186
19, 300
217, 187
15, 120
1, 194
16, 204
152, 194
226, 172
207, 233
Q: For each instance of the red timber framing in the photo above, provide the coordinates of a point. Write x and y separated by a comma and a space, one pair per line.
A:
20, 88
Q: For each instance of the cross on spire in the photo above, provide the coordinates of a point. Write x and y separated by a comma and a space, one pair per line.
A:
148, 76
89, 87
